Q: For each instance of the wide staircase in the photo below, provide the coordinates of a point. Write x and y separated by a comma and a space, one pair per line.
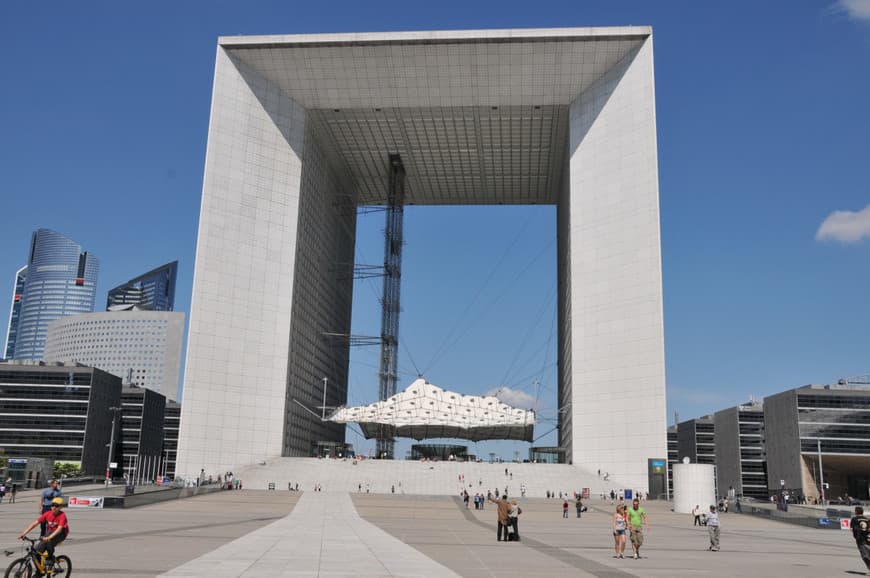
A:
421, 477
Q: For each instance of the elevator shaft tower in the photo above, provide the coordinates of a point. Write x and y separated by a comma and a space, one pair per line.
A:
390, 307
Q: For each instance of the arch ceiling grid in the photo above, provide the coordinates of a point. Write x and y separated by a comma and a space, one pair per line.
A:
475, 122
452, 156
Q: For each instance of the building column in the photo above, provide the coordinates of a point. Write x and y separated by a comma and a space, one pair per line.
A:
235, 384
612, 372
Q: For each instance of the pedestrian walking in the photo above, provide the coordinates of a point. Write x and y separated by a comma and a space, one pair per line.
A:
46, 502
697, 513
713, 528
860, 525
579, 506
619, 525
637, 521
565, 509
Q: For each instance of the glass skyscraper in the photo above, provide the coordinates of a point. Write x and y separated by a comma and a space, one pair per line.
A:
61, 280
154, 290
14, 311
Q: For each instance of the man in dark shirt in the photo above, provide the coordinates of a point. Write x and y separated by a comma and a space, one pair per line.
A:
860, 525
48, 495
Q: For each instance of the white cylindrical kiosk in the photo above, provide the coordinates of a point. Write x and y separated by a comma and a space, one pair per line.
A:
693, 486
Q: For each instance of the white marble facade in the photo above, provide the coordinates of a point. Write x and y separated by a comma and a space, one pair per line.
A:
300, 130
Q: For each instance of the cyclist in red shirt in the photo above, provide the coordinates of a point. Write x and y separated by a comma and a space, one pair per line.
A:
57, 528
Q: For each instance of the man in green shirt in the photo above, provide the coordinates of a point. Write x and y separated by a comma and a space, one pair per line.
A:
637, 520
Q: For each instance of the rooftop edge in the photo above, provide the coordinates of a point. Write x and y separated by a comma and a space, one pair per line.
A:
436, 36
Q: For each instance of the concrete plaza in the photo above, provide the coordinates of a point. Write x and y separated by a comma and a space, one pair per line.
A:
280, 533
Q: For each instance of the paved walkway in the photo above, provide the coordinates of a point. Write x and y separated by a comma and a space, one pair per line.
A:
323, 536
332, 534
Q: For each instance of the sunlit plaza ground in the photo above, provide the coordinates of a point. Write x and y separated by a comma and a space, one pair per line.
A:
247, 533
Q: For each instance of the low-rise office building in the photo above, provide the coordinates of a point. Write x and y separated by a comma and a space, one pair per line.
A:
142, 434
673, 454
171, 422
819, 434
57, 411
696, 440
794, 443
741, 463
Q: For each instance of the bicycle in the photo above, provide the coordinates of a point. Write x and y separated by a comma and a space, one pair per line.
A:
32, 564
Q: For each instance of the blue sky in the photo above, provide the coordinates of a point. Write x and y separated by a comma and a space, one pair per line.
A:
763, 123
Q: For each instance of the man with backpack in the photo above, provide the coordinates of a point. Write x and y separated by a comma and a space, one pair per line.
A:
860, 525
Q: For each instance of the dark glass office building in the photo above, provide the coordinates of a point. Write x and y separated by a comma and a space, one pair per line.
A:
171, 422
696, 440
155, 290
14, 312
673, 454
61, 280
58, 412
741, 459
819, 434
142, 422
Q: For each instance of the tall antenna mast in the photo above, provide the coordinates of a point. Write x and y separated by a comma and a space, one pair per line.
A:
390, 307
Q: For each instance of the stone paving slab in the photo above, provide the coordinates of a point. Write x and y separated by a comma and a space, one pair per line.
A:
323, 536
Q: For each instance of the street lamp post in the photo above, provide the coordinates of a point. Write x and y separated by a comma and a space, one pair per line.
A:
821, 470
114, 410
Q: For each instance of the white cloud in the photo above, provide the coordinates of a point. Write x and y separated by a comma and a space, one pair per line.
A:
514, 398
856, 9
845, 226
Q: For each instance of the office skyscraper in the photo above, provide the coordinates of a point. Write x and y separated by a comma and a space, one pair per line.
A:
155, 290
61, 280
14, 311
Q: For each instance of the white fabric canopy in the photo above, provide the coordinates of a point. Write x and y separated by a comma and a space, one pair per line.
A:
425, 411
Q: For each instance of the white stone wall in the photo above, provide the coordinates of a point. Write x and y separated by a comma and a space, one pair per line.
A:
618, 412
235, 378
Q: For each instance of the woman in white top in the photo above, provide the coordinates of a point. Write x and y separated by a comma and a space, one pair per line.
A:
513, 518
619, 526
697, 513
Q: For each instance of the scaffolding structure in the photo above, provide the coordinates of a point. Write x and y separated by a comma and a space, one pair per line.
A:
390, 307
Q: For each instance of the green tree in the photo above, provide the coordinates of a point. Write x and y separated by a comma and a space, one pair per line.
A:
67, 470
